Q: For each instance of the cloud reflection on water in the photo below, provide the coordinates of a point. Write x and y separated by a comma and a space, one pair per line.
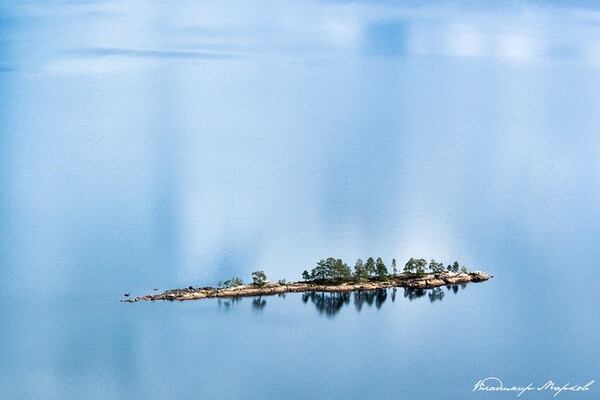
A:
223, 139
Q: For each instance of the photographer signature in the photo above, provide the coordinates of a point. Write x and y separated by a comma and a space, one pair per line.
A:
493, 384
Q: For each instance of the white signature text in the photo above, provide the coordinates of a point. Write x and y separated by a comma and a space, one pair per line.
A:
493, 384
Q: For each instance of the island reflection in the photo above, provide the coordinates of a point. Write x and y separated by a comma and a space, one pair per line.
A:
330, 304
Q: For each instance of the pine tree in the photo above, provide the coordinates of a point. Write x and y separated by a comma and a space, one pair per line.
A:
237, 281
330, 272
410, 266
455, 266
305, 276
319, 272
342, 270
360, 272
370, 266
382, 272
435, 266
421, 265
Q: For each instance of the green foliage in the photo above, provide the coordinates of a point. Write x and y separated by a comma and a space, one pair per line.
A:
320, 271
382, 272
360, 272
305, 276
410, 266
464, 270
455, 266
336, 270
421, 265
330, 265
370, 266
281, 282
237, 281
341, 271
435, 266
233, 282
331, 270
258, 278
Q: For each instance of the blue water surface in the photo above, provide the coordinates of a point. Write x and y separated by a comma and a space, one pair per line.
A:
148, 145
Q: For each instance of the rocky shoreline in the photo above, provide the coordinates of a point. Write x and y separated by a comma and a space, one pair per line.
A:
425, 281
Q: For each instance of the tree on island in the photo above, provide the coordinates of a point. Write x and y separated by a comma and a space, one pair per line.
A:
421, 265
258, 278
341, 271
410, 266
455, 266
320, 271
360, 272
336, 270
233, 282
305, 276
382, 272
370, 266
327, 268
330, 270
435, 266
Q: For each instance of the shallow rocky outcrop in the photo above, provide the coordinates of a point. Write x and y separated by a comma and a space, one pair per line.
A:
271, 288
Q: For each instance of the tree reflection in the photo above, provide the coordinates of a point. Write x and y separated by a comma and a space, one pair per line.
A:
414, 293
380, 297
331, 303
436, 294
258, 303
305, 297
327, 303
367, 297
229, 302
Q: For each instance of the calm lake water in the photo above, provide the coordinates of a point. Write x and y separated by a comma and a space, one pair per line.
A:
144, 145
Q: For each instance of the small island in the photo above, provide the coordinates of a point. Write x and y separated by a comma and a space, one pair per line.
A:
334, 275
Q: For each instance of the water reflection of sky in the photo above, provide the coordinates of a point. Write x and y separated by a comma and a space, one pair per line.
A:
144, 145
190, 140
